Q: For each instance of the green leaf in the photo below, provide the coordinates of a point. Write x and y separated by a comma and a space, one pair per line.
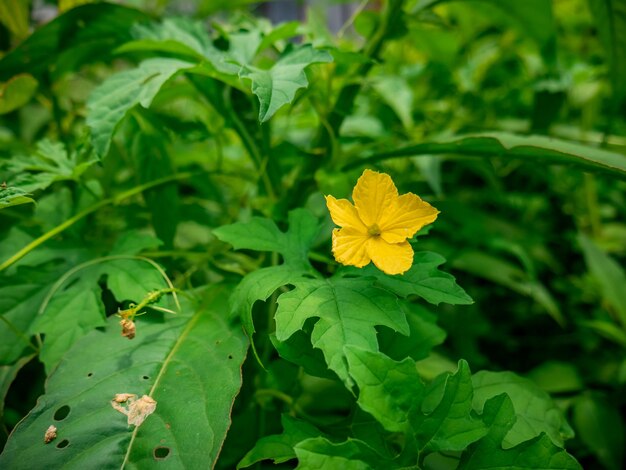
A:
388, 390
10, 196
49, 164
71, 40
189, 364
532, 149
278, 85
20, 298
68, 317
299, 350
259, 285
395, 91
109, 103
263, 235
17, 92
280, 447
78, 308
610, 18
540, 452
152, 161
599, 426
424, 334
424, 280
535, 411
353, 454
609, 274
181, 36
446, 421
348, 309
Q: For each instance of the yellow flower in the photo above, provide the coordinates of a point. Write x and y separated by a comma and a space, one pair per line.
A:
377, 226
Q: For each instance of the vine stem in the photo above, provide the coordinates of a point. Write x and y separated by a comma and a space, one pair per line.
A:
81, 215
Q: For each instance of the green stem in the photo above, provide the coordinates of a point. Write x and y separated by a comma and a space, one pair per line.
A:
252, 149
591, 195
81, 215
347, 95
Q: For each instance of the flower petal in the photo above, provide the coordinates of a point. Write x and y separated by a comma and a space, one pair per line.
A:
407, 214
391, 258
373, 194
344, 213
349, 247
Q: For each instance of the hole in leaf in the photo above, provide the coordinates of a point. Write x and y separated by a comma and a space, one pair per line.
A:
230, 356
161, 453
61, 413
90, 374
145, 377
64, 443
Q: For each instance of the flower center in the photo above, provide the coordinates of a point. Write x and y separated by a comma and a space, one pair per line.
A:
373, 230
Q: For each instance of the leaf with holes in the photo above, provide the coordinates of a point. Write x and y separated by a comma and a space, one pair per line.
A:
277, 86
188, 363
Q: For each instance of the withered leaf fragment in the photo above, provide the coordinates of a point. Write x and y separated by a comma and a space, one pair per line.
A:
51, 434
128, 328
137, 410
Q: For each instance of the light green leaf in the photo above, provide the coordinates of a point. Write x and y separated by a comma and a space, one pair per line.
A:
278, 85
189, 364
109, 103
348, 309
10, 196
540, 452
352, 454
610, 18
535, 411
446, 421
533, 149
49, 164
388, 390
15, 15
425, 280
599, 426
395, 91
180, 35
280, 447
17, 92
263, 235
609, 274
